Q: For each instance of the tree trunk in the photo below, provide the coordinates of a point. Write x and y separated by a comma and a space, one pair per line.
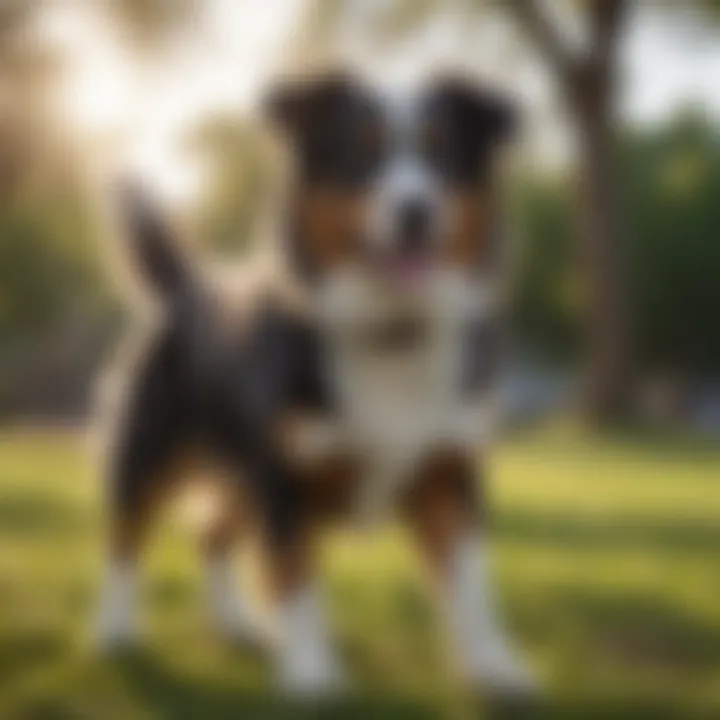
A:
588, 82
608, 381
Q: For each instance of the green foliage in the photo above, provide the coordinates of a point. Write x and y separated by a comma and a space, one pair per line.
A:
669, 182
547, 302
48, 263
237, 182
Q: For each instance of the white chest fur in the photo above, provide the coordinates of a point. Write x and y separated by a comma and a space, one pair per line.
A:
397, 405
396, 400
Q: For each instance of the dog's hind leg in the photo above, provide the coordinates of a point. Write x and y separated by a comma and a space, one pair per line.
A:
228, 603
141, 472
116, 619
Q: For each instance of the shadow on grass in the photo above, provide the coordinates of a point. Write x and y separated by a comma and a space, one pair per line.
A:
630, 634
173, 696
676, 442
582, 534
599, 709
32, 515
24, 652
168, 592
643, 632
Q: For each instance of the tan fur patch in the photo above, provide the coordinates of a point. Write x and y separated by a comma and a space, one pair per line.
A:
331, 479
439, 503
469, 228
212, 498
331, 485
331, 222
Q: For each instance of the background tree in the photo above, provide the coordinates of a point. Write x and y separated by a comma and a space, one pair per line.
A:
149, 24
669, 180
587, 79
234, 195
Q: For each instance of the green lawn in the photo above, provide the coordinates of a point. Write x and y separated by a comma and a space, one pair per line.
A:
608, 560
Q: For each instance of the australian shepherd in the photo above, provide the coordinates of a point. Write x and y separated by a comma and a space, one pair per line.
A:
359, 386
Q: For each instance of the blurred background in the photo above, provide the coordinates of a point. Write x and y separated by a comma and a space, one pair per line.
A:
608, 521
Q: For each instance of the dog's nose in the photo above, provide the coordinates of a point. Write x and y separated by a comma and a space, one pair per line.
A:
413, 224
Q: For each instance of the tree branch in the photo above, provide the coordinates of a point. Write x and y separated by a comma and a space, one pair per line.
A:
605, 17
536, 24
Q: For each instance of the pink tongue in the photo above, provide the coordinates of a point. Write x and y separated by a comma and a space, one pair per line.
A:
410, 269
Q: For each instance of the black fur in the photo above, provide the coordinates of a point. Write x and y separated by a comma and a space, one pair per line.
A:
336, 126
154, 247
205, 384
332, 121
470, 125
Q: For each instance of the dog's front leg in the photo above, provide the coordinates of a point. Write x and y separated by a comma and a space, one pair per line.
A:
307, 664
445, 514
483, 648
231, 613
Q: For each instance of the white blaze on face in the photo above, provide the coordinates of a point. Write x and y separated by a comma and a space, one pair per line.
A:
405, 176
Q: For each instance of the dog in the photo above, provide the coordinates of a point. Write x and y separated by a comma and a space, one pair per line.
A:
365, 391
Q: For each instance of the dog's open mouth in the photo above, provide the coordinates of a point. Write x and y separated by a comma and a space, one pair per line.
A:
409, 269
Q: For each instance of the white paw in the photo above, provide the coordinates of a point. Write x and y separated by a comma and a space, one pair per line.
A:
498, 670
484, 652
114, 630
229, 608
241, 629
307, 665
115, 626
311, 677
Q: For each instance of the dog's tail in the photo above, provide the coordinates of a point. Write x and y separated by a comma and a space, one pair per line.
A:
154, 250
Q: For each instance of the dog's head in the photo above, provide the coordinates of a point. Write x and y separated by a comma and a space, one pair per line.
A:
399, 185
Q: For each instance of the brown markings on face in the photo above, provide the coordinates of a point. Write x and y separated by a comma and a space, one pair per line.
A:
469, 219
467, 126
330, 223
332, 126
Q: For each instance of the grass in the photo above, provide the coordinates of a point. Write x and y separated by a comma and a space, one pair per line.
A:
608, 563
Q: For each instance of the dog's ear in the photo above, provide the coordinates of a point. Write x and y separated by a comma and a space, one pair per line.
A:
480, 111
295, 106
